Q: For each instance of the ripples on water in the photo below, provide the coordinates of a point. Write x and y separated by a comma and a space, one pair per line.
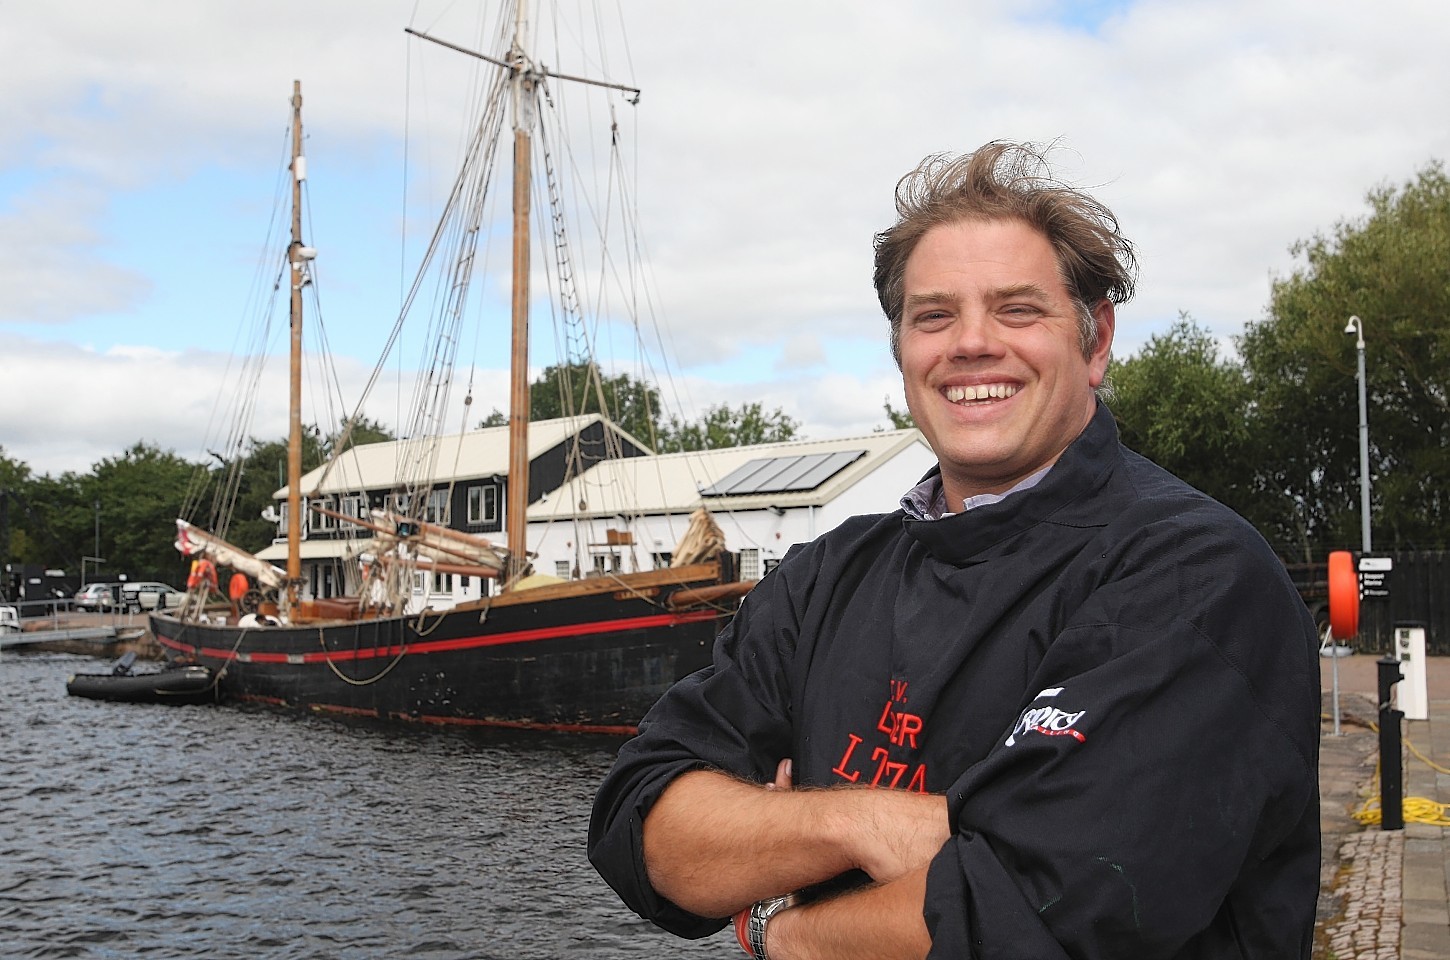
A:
224, 832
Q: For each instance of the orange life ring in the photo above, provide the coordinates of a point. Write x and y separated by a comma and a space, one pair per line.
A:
1343, 595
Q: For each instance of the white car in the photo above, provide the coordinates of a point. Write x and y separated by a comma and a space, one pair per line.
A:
150, 595
98, 596
9, 620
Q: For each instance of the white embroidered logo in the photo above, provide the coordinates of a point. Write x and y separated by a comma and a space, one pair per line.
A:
1049, 720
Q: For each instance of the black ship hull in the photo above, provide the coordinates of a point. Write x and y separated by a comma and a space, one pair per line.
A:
591, 662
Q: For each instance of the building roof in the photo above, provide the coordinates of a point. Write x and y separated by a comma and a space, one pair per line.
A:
795, 473
463, 456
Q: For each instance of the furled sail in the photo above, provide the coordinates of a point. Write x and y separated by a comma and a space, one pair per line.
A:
193, 541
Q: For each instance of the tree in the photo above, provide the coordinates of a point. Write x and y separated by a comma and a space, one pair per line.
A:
246, 489
1181, 406
262, 473
364, 431
140, 493
576, 388
580, 388
1391, 268
724, 426
900, 419
15, 545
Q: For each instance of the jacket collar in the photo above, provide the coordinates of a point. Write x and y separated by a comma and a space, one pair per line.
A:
1066, 496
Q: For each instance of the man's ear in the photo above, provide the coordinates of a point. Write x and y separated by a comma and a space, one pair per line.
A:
1105, 319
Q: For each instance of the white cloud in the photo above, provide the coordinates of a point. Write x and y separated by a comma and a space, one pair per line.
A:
769, 138
52, 267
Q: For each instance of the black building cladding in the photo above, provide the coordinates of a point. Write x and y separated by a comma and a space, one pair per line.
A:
596, 441
550, 470
1417, 592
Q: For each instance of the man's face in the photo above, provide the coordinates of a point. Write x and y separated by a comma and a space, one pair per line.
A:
991, 355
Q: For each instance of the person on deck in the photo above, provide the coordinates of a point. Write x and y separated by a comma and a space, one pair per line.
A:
237, 588
202, 578
1059, 704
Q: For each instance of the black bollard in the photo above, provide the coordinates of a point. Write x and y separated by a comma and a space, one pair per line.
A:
1392, 788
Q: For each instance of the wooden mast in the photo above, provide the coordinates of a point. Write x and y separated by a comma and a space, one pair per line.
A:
297, 257
524, 77
516, 517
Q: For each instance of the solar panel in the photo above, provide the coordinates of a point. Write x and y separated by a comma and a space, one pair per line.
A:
782, 474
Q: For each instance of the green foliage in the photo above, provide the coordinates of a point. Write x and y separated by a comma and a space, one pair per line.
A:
15, 545
724, 426
580, 388
1392, 269
1184, 408
572, 389
139, 493
900, 419
364, 431
264, 471
496, 418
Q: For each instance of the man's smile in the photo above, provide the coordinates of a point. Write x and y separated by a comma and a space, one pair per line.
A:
981, 391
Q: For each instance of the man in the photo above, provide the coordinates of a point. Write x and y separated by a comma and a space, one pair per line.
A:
1086, 695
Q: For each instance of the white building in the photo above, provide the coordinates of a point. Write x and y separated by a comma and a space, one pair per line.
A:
622, 510
628, 514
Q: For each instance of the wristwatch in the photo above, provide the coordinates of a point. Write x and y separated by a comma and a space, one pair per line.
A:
760, 914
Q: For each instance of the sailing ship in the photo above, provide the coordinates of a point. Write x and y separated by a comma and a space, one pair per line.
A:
586, 654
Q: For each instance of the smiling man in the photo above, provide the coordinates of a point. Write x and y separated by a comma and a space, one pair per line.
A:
1059, 704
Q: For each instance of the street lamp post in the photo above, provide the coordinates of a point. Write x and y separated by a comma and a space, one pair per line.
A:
1356, 327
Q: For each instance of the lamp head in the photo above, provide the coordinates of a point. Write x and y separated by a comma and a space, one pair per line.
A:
1355, 325
1349, 327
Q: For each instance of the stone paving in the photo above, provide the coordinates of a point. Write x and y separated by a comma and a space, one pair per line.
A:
1385, 894
1370, 889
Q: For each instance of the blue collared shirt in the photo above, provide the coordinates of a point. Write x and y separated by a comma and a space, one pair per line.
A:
928, 499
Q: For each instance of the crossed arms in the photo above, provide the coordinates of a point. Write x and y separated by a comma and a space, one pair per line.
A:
713, 845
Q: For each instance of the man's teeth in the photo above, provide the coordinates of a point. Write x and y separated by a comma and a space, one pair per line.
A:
983, 391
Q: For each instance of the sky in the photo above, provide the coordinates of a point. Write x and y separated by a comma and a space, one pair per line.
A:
140, 145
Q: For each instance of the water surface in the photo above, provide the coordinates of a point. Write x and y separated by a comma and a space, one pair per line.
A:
226, 832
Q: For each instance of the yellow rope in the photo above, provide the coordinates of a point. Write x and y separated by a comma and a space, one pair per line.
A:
1414, 809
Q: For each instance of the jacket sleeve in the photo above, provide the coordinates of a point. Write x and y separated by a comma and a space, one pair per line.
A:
733, 716
1170, 752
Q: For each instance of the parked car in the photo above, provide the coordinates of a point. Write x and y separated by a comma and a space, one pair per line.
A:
149, 595
9, 619
98, 597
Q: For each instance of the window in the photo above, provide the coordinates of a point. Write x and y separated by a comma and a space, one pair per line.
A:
750, 564
322, 521
482, 504
561, 569
662, 560
353, 506
442, 582
437, 511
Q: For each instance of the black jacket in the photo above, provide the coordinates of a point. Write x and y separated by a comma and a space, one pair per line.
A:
1110, 677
